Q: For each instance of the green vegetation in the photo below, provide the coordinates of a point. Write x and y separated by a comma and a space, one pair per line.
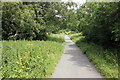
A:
31, 59
98, 26
99, 23
30, 24
34, 21
106, 64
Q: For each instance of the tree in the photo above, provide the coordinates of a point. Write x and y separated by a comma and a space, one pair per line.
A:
97, 23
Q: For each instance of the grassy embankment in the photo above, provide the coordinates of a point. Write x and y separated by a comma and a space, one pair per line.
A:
105, 61
31, 59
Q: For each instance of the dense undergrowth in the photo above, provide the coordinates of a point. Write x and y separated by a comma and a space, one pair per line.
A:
31, 59
105, 60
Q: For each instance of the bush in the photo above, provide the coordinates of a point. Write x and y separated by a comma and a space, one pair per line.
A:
30, 59
19, 22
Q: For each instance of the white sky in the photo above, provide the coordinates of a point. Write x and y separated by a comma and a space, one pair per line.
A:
77, 1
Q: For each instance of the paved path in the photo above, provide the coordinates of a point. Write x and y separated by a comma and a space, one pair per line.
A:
74, 64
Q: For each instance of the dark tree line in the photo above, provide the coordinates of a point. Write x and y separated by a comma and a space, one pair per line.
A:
33, 20
100, 22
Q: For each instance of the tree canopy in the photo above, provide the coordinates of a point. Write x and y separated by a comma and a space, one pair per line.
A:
98, 21
33, 20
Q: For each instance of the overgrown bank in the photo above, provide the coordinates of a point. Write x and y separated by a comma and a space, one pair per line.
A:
31, 59
105, 60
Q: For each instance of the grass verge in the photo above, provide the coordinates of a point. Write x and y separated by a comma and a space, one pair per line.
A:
104, 60
31, 59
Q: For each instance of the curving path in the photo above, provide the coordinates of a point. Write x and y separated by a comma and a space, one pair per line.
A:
74, 64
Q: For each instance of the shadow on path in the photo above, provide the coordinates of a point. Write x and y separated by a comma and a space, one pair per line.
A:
74, 64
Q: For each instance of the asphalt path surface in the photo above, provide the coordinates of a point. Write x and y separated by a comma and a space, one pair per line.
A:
74, 64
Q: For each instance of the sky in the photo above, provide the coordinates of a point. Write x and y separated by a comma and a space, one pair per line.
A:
77, 1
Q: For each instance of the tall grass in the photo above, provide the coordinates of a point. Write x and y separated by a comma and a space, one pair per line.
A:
30, 59
105, 60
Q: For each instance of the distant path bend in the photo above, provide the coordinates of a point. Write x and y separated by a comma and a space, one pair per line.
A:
74, 64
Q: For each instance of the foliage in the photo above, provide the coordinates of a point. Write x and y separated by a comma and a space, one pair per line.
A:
19, 22
99, 22
30, 59
106, 64
56, 38
32, 21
